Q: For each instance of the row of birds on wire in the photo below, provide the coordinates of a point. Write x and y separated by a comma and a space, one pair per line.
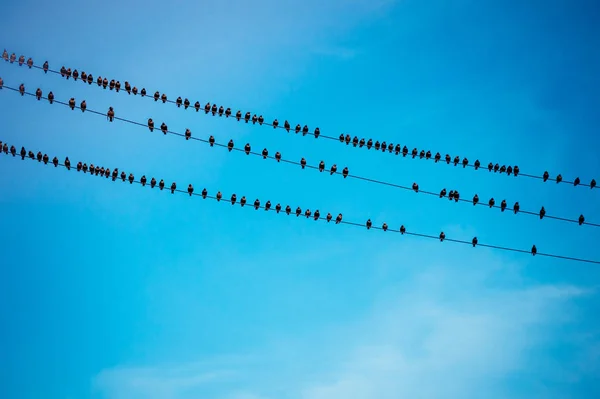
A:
150, 124
384, 146
116, 174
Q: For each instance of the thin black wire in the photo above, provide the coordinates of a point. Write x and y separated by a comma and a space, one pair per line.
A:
338, 138
251, 205
307, 166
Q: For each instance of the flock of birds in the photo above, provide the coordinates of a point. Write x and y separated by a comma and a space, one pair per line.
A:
248, 117
113, 84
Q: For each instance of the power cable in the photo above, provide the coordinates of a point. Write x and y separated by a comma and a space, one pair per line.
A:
474, 242
580, 221
346, 139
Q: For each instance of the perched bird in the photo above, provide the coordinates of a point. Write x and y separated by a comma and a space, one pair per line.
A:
67, 163
475, 199
415, 187
164, 128
83, 106
143, 180
542, 213
402, 229
545, 176
233, 199
503, 205
558, 179
110, 114
576, 181
72, 103
278, 208
45, 67
156, 96
298, 211
190, 189
151, 124
38, 92
317, 133
204, 193
243, 201
230, 145
219, 196
152, 182
345, 172
211, 140
161, 184
442, 236
456, 160
516, 207
581, 219
268, 205
197, 106
465, 162
333, 169
593, 183
22, 89
265, 153
516, 170
317, 215
188, 134
443, 193
275, 124
321, 166
474, 241
247, 148
278, 156
307, 213
384, 227
328, 217
186, 103
477, 164
303, 163
338, 219
491, 202
533, 250
173, 187
369, 224
179, 101
288, 210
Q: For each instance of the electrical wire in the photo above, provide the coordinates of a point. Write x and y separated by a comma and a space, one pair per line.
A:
132, 180
342, 139
268, 156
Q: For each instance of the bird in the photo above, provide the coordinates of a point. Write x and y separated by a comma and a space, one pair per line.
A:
581, 219
533, 250
542, 213
369, 224
474, 241
190, 189
256, 204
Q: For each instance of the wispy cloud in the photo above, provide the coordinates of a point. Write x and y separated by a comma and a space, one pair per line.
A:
435, 337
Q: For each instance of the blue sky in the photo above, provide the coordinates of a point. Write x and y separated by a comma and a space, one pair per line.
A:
108, 291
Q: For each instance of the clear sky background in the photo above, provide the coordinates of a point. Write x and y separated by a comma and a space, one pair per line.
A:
111, 291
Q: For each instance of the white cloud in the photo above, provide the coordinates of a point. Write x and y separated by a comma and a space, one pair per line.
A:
428, 340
